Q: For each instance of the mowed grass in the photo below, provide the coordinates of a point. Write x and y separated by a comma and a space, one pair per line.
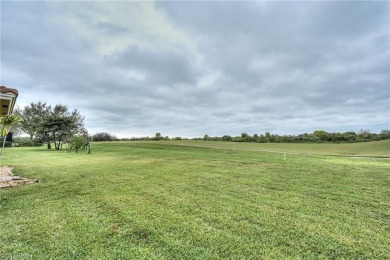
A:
161, 200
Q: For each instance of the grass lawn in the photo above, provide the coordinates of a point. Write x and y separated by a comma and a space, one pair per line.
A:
166, 200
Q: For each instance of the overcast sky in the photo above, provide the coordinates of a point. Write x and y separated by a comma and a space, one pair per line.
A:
194, 68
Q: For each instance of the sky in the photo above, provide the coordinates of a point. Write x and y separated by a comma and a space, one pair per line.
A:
188, 69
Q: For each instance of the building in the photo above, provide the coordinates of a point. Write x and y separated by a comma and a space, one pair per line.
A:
7, 100
7, 103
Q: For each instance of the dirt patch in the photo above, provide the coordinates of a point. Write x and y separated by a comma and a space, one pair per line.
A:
8, 179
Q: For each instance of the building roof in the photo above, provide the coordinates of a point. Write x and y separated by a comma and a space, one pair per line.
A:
4, 89
7, 100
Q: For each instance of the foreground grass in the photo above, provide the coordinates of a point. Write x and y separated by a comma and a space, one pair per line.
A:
161, 200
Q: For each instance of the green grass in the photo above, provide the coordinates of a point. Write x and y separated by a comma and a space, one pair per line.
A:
164, 200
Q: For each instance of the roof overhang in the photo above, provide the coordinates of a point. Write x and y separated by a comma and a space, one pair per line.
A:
7, 100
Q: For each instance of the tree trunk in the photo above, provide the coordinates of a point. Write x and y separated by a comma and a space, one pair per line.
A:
2, 147
57, 144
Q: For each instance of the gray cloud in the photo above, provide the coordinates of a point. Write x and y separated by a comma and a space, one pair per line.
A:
191, 68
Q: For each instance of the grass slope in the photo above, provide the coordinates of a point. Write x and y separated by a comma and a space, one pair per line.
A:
160, 200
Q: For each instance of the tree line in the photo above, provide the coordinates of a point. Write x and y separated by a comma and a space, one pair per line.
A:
56, 125
319, 136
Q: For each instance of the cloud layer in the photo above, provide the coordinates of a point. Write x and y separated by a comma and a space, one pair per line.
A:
195, 68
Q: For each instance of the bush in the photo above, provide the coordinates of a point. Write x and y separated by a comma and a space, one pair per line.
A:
28, 143
79, 142
7, 144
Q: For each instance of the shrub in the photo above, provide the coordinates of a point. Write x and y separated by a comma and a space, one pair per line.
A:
28, 143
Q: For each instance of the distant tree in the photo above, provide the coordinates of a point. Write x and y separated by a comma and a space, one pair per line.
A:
267, 137
364, 135
262, 139
349, 137
33, 116
99, 137
206, 137
321, 134
227, 138
158, 136
364, 132
385, 134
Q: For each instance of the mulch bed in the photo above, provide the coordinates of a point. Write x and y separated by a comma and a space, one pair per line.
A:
8, 179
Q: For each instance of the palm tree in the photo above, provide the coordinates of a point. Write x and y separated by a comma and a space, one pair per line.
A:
6, 123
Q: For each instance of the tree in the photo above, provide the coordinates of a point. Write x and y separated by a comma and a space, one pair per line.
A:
365, 135
385, 134
158, 136
103, 137
60, 124
268, 137
7, 122
350, 136
321, 134
33, 116
227, 138
245, 138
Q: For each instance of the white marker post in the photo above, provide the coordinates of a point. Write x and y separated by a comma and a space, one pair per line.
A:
285, 155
